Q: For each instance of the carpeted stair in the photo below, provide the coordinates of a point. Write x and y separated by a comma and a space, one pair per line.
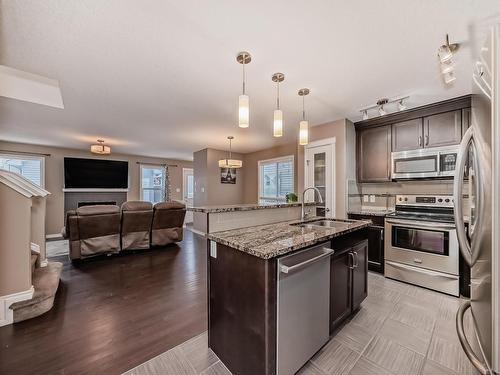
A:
45, 283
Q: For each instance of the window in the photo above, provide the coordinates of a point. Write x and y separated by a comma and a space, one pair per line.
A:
275, 179
190, 186
30, 167
152, 183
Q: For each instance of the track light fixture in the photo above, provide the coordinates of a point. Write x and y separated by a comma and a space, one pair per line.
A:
445, 54
382, 104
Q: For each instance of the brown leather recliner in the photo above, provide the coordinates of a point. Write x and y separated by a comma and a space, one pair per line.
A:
93, 230
168, 220
136, 225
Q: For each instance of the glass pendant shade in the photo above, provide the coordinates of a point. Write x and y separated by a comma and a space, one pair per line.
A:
244, 111
230, 163
303, 133
278, 123
445, 53
449, 77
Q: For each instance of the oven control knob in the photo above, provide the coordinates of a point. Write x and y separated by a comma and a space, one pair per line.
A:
440, 200
406, 199
447, 200
400, 199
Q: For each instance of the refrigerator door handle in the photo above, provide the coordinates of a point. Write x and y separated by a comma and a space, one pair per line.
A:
469, 251
478, 364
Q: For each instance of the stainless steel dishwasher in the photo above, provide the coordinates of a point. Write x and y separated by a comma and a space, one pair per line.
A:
303, 306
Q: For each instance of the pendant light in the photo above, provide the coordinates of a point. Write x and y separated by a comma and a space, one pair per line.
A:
100, 148
228, 162
304, 124
278, 113
243, 102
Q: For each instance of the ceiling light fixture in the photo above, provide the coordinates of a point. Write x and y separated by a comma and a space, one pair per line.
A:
278, 113
382, 104
445, 54
228, 162
100, 148
243, 101
304, 124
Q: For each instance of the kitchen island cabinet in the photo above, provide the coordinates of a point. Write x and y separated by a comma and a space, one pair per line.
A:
243, 276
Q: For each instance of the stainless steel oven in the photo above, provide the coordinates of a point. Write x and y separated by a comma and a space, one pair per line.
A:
421, 245
438, 162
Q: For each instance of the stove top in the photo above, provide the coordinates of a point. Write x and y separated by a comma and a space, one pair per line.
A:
434, 208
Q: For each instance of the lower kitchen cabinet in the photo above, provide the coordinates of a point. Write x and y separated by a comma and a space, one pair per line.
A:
375, 241
348, 282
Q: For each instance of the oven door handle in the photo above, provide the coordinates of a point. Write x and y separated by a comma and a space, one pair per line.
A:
416, 223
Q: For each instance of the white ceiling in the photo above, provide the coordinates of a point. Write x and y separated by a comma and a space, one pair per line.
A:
159, 78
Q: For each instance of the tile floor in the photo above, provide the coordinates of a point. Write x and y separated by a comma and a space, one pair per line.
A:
399, 330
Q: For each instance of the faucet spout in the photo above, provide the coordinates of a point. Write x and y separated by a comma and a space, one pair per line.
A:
302, 211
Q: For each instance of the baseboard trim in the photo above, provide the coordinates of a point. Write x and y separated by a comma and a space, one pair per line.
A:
54, 237
6, 314
196, 231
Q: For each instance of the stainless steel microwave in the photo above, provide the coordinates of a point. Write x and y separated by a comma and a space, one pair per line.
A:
436, 162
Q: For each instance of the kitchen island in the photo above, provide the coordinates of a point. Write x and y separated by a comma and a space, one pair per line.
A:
269, 307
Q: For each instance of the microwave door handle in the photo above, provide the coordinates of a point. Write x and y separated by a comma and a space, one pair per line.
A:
459, 321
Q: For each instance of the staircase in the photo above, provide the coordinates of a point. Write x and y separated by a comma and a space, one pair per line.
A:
45, 282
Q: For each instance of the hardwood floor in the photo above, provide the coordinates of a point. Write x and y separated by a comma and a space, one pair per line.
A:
113, 313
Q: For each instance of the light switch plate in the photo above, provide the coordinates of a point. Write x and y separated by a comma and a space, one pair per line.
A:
178, 190
213, 249
202, 189
365, 198
372, 198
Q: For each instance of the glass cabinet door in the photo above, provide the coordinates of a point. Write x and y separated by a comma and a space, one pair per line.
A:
319, 170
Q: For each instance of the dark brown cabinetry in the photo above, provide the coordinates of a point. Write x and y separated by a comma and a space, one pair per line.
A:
443, 129
348, 282
433, 125
407, 135
375, 241
374, 154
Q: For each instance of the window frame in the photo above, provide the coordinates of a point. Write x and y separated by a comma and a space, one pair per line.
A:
142, 189
19, 156
260, 163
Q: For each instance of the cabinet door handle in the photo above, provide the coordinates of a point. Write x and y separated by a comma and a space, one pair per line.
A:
427, 140
420, 140
355, 256
351, 260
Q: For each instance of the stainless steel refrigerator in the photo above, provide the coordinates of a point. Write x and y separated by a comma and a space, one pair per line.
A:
478, 225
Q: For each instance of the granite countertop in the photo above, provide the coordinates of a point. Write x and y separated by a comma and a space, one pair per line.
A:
272, 240
369, 212
245, 207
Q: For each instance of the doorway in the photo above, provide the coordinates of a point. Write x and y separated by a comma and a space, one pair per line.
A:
319, 171
188, 192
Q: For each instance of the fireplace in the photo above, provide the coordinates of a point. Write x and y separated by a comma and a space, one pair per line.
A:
96, 203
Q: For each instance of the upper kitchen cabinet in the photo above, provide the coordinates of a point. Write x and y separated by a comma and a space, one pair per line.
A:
443, 129
407, 135
374, 154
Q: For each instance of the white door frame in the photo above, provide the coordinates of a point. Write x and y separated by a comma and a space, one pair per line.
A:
185, 173
323, 142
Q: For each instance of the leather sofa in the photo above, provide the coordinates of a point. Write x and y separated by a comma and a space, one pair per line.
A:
105, 229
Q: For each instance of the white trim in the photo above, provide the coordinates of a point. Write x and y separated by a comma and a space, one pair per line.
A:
320, 143
35, 247
6, 314
44, 263
275, 160
94, 190
55, 235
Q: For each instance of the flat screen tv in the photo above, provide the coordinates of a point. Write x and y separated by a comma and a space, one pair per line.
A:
95, 174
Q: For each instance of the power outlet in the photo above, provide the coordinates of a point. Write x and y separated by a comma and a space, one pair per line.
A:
365, 198
372, 198
213, 249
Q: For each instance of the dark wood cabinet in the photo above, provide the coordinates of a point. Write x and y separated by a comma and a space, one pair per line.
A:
340, 283
359, 274
407, 135
375, 241
443, 129
348, 282
374, 154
